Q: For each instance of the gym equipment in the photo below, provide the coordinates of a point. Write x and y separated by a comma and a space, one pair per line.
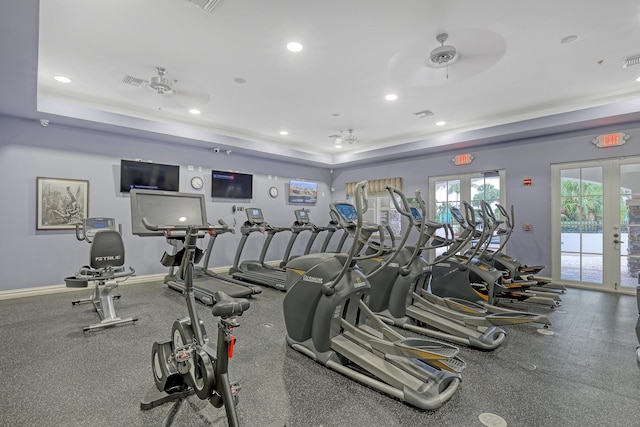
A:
190, 362
302, 223
205, 282
516, 272
328, 320
481, 251
399, 298
468, 278
105, 270
257, 271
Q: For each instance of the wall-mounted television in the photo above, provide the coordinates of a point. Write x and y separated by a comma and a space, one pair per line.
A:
305, 192
148, 176
231, 185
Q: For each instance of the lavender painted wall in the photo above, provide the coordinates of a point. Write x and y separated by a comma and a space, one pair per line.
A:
521, 159
40, 258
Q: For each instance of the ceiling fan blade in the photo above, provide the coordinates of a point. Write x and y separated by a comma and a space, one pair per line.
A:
477, 51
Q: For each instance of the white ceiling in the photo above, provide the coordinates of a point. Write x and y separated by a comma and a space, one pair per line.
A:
513, 76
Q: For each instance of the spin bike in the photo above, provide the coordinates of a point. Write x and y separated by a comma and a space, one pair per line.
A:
190, 362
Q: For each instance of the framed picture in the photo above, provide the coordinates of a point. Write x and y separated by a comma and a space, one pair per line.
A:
61, 203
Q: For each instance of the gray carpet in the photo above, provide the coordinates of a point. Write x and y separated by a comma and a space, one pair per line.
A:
53, 374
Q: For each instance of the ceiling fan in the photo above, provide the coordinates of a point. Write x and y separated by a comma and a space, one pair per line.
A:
470, 52
165, 90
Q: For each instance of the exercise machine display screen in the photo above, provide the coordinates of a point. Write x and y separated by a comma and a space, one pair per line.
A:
254, 215
416, 214
347, 212
458, 215
302, 216
165, 208
93, 225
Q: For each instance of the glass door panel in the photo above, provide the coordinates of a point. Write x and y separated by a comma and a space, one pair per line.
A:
581, 213
596, 209
629, 197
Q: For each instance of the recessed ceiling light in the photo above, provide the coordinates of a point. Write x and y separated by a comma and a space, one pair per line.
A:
338, 146
294, 46
62, 79
194, 111
391, 97
284, 132
638, 79
569, 39
441, 123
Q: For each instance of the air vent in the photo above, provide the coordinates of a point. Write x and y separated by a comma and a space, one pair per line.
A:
424, 113
631, 60
134, 81
207, 5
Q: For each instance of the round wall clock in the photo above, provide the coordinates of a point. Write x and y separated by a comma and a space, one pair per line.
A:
197, 182
273, 192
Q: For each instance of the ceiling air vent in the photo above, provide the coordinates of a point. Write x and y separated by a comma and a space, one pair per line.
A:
424, 113
207, 5
631, 60
134, 81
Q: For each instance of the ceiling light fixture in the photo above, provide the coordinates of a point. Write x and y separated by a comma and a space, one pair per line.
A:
294, 46
569, 39
424, 113
62, 79
284, 132
391, 97
638, 79
441, 123
350, 138
194, 111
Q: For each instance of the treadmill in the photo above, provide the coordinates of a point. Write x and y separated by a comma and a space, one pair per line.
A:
257, 271
302, 223
157, 207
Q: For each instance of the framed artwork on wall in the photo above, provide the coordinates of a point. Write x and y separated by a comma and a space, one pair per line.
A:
61, 203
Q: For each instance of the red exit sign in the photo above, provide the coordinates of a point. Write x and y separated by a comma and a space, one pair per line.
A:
610, 140
462, 159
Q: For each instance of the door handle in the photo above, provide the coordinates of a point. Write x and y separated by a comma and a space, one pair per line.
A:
617, 241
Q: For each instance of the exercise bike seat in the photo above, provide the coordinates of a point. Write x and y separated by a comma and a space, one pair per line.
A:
226, 306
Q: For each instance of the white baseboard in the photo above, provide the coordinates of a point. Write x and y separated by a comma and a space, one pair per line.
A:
55, 289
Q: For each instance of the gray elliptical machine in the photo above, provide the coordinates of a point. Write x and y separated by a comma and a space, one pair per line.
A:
399, 298
327, 319
516, 272
469, 278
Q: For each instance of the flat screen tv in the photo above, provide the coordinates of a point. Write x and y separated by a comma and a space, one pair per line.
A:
148, 176
305, 192
231, 185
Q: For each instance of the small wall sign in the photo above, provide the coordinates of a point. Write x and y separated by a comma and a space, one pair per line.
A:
610, 140
462, 159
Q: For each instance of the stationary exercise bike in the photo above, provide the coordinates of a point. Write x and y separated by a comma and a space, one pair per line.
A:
105, 269
190, 362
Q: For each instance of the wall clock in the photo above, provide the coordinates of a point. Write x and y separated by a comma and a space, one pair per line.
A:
273, 192
197, 182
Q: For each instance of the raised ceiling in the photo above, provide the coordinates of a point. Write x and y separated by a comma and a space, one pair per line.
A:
515, 73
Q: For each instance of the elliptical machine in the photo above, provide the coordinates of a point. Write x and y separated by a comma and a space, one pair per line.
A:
105, 270
190, 362
327, 319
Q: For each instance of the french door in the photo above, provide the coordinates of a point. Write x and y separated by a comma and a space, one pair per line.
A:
596, 223
450, 191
